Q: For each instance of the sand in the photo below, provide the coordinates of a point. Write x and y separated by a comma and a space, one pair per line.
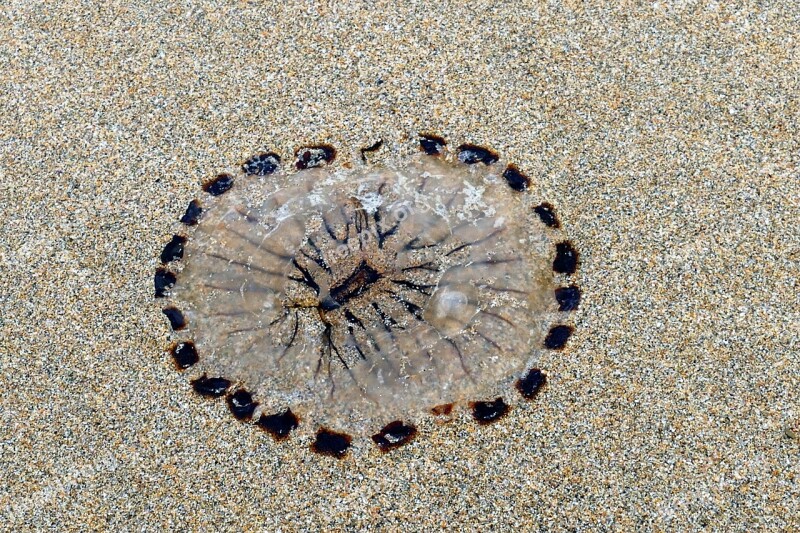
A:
665, 133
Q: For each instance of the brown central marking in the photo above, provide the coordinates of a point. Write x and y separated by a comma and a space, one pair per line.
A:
355, 285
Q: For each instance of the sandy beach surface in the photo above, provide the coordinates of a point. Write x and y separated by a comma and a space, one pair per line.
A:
666, 133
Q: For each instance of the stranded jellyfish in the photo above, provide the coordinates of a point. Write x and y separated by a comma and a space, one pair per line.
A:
339, 303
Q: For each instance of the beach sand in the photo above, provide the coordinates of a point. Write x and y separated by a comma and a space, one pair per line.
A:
666, 134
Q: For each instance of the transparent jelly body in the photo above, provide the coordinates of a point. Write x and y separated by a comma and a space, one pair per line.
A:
358, 297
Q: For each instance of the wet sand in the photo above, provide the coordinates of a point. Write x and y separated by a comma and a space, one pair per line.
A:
665, 134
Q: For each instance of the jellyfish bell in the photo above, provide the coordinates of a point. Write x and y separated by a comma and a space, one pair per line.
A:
356, 300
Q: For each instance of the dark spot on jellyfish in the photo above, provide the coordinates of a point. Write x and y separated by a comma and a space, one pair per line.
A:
331, 443
314, 156
174, 249
530, 384
163, 281
516, 179
566, 260
192, 215
442, 410
219, 185
547, 214
241, 404
568, 298
279, 425
557, 337
210, 387
488, 412
262, 164
184, 354
393, 435
175, 317
371, 148
431, 144
472, 154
